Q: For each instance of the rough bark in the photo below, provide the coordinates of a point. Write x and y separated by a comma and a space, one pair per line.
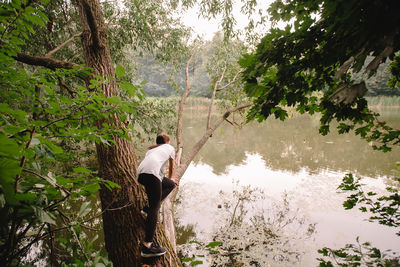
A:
122, 222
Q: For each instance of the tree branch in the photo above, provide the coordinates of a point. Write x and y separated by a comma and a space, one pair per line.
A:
374, 64
232, 81
189, 157
213, 98
49, 54
179, 139
44, 62
44, 178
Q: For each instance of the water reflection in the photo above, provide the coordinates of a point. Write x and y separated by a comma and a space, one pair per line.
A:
311, 194
291, 145
254, 231
286, 159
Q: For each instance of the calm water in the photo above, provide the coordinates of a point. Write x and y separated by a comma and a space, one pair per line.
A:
292, 168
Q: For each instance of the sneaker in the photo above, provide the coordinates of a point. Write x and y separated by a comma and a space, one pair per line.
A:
153, 251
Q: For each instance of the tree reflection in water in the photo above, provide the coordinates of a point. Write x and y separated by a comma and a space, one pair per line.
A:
254, 231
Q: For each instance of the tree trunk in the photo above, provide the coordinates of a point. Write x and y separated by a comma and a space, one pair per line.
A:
167, 209
122, 221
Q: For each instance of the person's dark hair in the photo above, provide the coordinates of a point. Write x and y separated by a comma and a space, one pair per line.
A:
161, 139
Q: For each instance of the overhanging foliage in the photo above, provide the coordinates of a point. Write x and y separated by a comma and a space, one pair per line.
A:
323, 49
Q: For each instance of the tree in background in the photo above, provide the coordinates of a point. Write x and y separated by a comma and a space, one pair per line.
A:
224, 74
323, 48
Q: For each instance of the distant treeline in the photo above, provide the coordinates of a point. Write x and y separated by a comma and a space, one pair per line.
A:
384, 101
157, 77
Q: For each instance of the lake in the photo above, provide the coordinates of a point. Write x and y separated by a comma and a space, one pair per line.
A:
281, 178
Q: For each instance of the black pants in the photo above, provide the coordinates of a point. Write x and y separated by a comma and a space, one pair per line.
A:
156, 192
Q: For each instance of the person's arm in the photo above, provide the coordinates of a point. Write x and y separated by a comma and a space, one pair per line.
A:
171, 168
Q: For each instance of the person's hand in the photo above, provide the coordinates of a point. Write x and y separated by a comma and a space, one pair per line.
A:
175, 181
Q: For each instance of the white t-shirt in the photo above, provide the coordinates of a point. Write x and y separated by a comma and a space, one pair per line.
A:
156, 159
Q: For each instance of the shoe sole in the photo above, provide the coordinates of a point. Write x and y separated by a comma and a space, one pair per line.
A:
151, 255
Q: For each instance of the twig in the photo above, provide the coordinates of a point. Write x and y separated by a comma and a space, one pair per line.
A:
44, 178
70, 91
23, 160
75, 236
231, 82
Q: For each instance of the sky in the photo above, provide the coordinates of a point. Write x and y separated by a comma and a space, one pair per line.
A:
206, 28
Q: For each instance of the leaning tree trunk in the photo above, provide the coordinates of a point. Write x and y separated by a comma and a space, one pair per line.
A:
123, 224
168, 205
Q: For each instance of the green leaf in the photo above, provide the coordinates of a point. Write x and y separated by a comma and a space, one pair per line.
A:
82, 170
62, 240
129, 88
27, 197
36, 20
104, 141
187, 259
9, 146
86, 207
110, 185
213, 244
91, 188
43, 216
8, 170
195, 242
194, 263
119, 71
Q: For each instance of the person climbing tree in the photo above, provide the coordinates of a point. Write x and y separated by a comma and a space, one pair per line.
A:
158, 187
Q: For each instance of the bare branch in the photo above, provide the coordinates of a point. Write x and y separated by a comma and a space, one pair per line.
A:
374, 64
213, 98
179, 139
231, 82
344, 68
347, 94
49, 54
347, 64
189, 157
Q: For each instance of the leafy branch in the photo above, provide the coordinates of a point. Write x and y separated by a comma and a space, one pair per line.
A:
386, 208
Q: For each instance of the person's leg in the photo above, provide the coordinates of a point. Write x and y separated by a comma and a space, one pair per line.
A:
153, 190
167, 186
